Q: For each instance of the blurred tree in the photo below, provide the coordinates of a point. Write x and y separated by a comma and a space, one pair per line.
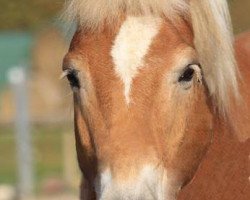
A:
240, 15
27, 14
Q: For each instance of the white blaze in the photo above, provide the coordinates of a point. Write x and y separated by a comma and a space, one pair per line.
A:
131, 45
151, 183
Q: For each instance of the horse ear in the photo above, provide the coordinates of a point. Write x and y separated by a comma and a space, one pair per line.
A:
213, 39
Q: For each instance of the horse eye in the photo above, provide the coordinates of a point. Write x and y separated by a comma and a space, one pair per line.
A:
187, 75
73, 79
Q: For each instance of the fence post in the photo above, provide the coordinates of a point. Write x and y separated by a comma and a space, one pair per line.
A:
17, 79
70, 166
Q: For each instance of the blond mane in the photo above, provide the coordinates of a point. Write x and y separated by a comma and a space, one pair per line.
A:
213, 39
92, 13
211, 25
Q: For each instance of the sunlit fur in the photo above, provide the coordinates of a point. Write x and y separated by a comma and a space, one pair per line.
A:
211, 25
142, 120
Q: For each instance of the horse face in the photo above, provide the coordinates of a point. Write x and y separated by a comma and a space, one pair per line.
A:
142, 114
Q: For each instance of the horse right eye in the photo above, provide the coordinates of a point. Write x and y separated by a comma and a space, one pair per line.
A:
187, 75
72, 76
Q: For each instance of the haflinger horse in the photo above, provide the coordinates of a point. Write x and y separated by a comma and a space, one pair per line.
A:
152, 81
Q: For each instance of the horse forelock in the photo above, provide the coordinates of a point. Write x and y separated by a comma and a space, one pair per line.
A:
93, 14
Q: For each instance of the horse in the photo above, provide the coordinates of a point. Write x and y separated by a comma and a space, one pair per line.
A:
153, 81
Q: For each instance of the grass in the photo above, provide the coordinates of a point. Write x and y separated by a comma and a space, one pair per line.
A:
8, 171
47, 153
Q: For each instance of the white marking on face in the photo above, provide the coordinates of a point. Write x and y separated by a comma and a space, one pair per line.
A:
131, 45
151, 183
103, 183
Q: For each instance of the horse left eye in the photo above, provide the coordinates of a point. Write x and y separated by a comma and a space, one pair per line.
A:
187, 75
72, 76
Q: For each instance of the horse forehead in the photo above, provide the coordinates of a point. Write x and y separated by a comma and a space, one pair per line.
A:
140, 45
131, 45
